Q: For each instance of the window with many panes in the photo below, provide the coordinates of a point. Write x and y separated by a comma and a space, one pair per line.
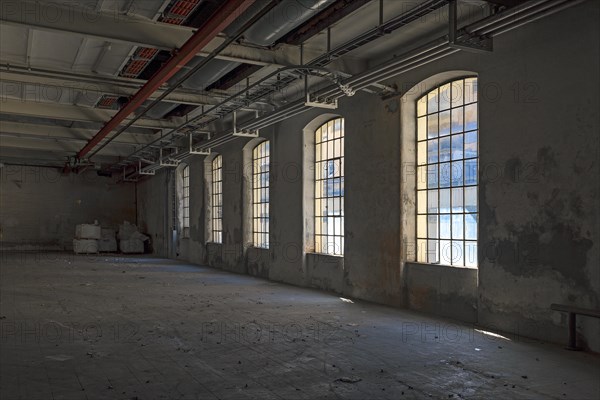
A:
217, 199
329, 188
185, 200
260, 195
447, 164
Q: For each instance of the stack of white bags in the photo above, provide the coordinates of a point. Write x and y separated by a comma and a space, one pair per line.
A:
108, 241
86, 238
130, 239
92, 239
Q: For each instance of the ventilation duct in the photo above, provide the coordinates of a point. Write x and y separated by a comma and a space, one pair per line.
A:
222, 18
286, 16
211, 72
279, 21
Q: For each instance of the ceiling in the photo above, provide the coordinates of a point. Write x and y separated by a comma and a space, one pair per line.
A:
66, 69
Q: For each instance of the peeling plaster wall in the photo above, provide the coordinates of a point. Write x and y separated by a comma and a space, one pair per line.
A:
539, 178
153, 211
539, 195
229, 254
539, 189
441, 290
372, 214
39, 207
193, 248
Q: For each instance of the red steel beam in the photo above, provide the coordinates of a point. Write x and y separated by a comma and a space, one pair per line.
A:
224, 16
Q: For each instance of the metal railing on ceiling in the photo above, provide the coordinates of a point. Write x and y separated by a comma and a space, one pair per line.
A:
484, 29
286, 77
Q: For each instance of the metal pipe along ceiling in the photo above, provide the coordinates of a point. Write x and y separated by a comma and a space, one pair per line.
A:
510, 13
538, 8
361, 40
560, 7
278, 21
219, 21
431, 51
282, 18
258, 84
239, 29
237, 32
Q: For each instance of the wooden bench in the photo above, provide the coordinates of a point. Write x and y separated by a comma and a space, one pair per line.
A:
573, 311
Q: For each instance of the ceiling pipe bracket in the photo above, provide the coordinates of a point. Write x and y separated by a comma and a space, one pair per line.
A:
250, 133
130, 178
142, 171
321, 104
253, 133
168, 161
198, 149
464, 41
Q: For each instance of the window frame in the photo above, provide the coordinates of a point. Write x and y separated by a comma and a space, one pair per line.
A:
323, 243
423, 163
217, 199
261, 157
185, 201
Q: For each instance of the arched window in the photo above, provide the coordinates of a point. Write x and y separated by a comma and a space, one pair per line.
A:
447, 163
185, 200
260, 195
329, 187
217, 199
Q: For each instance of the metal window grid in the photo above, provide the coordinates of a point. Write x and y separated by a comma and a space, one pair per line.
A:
329, 188
186, 200
447, 174
260, 195
217, 199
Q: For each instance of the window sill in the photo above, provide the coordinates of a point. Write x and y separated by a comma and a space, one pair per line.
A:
416, 263
324, 254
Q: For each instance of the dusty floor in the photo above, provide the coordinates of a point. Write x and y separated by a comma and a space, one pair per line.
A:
81, 327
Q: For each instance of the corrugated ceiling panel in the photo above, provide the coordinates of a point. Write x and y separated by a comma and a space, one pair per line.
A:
55, 50
13, 42
87, 54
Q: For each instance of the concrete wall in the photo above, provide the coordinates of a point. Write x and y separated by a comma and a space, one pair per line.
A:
540, 207
39, 207
154, 210
539, 237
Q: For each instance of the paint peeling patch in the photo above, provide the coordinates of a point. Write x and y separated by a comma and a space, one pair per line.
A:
533, 249
546, 158
420, 297
581, 165
512, 169
576, 205
486, 212
258, 269
392, 107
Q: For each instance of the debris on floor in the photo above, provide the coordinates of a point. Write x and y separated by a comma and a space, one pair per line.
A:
59, 357
346, 379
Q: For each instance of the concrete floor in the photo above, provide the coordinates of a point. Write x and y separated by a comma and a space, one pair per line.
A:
112, 327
